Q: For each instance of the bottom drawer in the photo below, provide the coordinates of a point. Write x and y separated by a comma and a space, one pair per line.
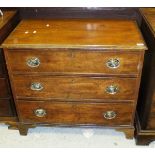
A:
6, 108
75, 113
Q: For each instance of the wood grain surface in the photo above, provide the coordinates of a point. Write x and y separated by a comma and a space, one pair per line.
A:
76, 33
75, 88
75, 113
69, 61
73, 72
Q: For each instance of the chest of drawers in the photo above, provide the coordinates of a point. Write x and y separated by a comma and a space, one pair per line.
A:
146, 105
7, 108
75, 72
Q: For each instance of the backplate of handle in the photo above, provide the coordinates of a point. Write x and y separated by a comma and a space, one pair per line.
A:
113, 63
40, 112
33, 62
109, 114
36, 86
112, 89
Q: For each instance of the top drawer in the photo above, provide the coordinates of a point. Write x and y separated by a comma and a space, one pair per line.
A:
61, 61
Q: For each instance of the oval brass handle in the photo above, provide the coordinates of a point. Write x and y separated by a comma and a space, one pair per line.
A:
40, 112
112, 89
113, 63
33, 62
36, 86
109, 114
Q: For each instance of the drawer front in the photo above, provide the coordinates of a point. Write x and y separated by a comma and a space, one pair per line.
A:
75, 113
4, 88
5, 108
75, 87
78, 62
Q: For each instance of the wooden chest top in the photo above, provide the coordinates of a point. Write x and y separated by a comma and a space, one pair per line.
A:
7, 15
76, 33
149, 16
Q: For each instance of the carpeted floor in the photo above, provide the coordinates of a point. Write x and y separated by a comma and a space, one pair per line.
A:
65, 137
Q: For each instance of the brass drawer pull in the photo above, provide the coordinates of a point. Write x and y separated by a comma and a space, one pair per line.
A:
109, 115
113, 63
40, 112
36, 86
33, 62
112, 89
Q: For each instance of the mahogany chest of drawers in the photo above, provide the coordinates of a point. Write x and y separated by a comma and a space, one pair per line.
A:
75, 72
7, 108
146, 104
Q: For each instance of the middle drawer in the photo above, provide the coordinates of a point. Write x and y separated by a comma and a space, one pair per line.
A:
75, 88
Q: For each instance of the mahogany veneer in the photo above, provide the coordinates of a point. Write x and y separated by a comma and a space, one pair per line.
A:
77, 33
75, 88
72, 72
75, 113
76, 61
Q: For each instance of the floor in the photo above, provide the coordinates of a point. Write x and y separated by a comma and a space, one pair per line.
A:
65, 137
